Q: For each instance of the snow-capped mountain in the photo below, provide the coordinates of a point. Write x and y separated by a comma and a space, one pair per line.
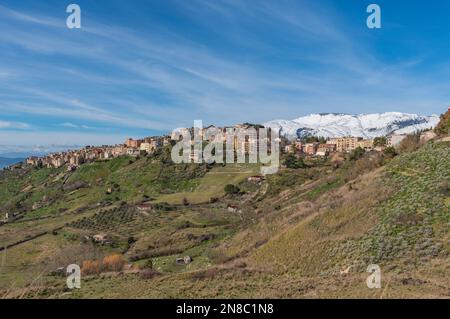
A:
363, 125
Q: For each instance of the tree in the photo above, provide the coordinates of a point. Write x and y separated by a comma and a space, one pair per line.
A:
356, 154
231, 189
390, 151
379, 141
410, 143
313, 139
294, 162
443, 128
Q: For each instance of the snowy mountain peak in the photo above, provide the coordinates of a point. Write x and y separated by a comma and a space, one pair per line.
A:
362, 125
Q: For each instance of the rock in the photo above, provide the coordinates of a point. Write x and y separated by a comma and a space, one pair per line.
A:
75, 186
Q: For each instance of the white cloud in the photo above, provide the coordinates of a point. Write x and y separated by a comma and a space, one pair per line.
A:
69, 125
14, 125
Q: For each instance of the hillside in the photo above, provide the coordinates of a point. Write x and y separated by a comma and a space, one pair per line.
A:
301, 233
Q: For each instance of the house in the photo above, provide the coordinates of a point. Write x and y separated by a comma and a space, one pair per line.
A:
144, 207
366, 144
118, 150
183, 261
147, 147
322, 151
34, 160
76, 159
325, 149
99, 237
255, 179
134, 152
345, 144
132, 143
57, 162
298, 145
289, 148
166, 140
233, 209
310, 148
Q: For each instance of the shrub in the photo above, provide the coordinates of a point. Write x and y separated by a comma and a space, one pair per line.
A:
410, 143
149, 273
443, 127
113, 263
293, 162
379, 141
91, 267
131, 240
231, 189
390, 151
444, 187
356, 154
148, 264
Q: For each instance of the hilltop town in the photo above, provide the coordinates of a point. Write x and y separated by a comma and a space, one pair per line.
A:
135, 147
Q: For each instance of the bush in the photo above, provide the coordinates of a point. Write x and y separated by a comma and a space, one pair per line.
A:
444, 187
409, 144
113, 263
356, 154
379, 141
149, 273
91, 267
443, 128
231, 189
148, 264
390, 151
293, 162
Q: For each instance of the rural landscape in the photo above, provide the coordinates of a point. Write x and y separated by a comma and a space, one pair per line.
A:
143, 227
224, 158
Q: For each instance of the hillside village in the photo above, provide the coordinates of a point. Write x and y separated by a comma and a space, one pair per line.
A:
136, 147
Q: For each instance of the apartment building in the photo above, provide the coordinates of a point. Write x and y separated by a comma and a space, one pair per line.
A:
345, 144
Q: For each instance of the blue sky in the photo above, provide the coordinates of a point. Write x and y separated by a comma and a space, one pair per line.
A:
138, 68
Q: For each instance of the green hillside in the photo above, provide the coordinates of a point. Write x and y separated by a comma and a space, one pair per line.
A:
307, 232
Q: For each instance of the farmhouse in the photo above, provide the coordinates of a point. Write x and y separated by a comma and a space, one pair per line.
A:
255, 179
144, 207
233, 209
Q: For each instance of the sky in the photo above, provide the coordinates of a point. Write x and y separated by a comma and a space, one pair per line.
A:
138, 68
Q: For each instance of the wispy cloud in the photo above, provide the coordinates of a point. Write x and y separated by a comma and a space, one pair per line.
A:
13, 125
225, 62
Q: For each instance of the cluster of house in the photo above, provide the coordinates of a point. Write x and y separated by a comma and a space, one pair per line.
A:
244, 138
340, 144
75, 158
135, 147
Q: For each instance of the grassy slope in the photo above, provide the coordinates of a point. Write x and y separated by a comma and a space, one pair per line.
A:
309, 242
305, 229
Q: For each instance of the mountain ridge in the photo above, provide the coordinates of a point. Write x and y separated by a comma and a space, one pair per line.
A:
368, 125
